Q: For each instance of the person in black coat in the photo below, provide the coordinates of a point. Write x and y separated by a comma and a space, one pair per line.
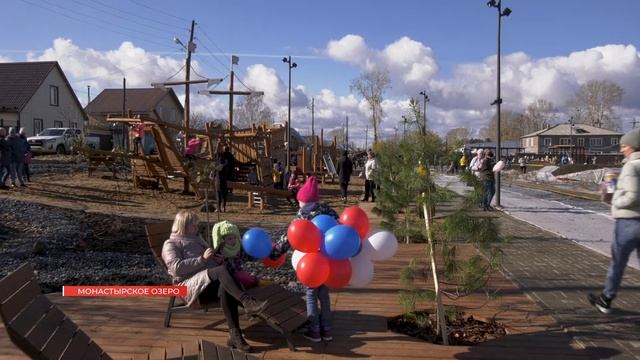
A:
345, 168
5, 159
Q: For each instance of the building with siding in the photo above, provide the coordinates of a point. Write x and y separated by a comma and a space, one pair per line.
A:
592, 139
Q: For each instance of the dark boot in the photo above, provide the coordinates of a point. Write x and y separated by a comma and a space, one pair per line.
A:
236, 341
253, 306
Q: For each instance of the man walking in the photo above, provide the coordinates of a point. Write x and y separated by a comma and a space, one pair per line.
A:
369, 171
625, 208
345, 168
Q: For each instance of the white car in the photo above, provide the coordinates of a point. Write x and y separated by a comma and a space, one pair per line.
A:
54, 140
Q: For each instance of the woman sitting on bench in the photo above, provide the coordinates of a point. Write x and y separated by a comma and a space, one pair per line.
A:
192, 263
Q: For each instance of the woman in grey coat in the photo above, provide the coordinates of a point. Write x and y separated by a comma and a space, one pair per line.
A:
192, 263
625, 208
17, 156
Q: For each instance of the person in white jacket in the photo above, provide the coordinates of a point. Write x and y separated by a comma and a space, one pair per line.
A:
369, 171
625, 208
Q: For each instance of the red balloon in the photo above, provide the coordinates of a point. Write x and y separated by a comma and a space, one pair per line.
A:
274, 263
313, 270
339, 273
303, 235
357, 219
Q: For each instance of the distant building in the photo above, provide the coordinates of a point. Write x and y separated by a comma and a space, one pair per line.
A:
507, 147
36, 96
592, 139
147, 101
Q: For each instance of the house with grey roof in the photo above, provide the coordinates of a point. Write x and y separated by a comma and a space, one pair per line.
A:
143, 101
36, 96
592, 139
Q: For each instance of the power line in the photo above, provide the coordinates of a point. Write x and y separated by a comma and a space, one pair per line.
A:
160, 11
177, 72
138, 18
53, 10
123, 14
194, 70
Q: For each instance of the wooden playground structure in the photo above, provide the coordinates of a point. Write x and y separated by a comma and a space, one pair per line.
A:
256, 147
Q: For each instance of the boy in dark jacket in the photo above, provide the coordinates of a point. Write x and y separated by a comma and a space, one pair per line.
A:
345, 168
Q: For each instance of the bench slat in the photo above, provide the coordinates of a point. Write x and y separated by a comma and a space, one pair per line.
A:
157, 354
41, 333
93, 352
77, 347
15, 280
208, 350
19, 300
174, 352
33, 313
190, 351
224, 353
60, 339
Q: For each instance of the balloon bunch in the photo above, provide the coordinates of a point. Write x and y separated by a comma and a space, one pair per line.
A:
335, 253
257, 243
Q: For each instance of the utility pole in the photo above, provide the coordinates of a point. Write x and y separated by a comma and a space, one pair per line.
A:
88, 94
124, 108
347, 142
190, 47
231, 80
313, 133
366, 138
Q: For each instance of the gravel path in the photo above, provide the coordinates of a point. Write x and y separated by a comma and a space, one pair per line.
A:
70, 247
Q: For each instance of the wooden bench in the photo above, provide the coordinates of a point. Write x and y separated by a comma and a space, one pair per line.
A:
42, 331
286, 312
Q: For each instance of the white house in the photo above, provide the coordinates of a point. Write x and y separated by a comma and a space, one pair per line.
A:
36, 96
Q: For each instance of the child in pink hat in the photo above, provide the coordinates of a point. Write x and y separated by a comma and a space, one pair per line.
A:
319, 327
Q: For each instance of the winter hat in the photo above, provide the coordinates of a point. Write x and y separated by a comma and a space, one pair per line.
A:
632, 138
309, 192
222, 229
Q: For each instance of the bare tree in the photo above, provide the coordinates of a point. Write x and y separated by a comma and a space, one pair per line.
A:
510, 127
414, 117
594, 102
458, 135
251, 110
538, 115
372, 86
199, 120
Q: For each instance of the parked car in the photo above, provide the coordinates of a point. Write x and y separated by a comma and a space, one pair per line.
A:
54, 140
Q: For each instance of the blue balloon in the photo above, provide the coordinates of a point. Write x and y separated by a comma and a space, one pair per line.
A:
324, 222
359, 249
341, 242
257, 243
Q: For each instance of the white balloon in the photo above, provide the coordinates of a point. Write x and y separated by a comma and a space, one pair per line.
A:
295, 257
361, 271
380, 245
498, 166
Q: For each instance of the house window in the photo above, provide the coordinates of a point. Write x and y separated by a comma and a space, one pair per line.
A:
565, 141
595, 142
614, 141
580, 142
57, 124
73, 124
53, 95
37, 126
547, 141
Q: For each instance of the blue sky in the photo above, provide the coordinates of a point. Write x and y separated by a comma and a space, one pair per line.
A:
457, 32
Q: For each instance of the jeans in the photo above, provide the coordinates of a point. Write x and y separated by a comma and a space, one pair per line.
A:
313, 295
16, 172
369, 187
343, 189
5, 170
627, 239
489, 191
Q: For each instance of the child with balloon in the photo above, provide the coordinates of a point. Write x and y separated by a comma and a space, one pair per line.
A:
319, 327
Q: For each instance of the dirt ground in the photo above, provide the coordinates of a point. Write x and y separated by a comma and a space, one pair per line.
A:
74, 189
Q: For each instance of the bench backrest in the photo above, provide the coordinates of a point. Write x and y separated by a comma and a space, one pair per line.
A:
36, 326
156, 235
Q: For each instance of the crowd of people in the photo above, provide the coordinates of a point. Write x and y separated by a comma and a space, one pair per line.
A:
15, 157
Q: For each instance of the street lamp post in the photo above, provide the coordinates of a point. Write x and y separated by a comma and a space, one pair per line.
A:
290, 65
498, 101
425, 100
571, 123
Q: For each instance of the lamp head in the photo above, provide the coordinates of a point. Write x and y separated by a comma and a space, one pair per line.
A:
506, 12
492, 3
284, 59
294, 65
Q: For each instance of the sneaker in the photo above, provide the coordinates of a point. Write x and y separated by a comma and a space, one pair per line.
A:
313, 334
601, 303
236, 341
253, 306
325, 332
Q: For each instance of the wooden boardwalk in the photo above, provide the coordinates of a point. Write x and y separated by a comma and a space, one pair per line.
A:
125, 326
